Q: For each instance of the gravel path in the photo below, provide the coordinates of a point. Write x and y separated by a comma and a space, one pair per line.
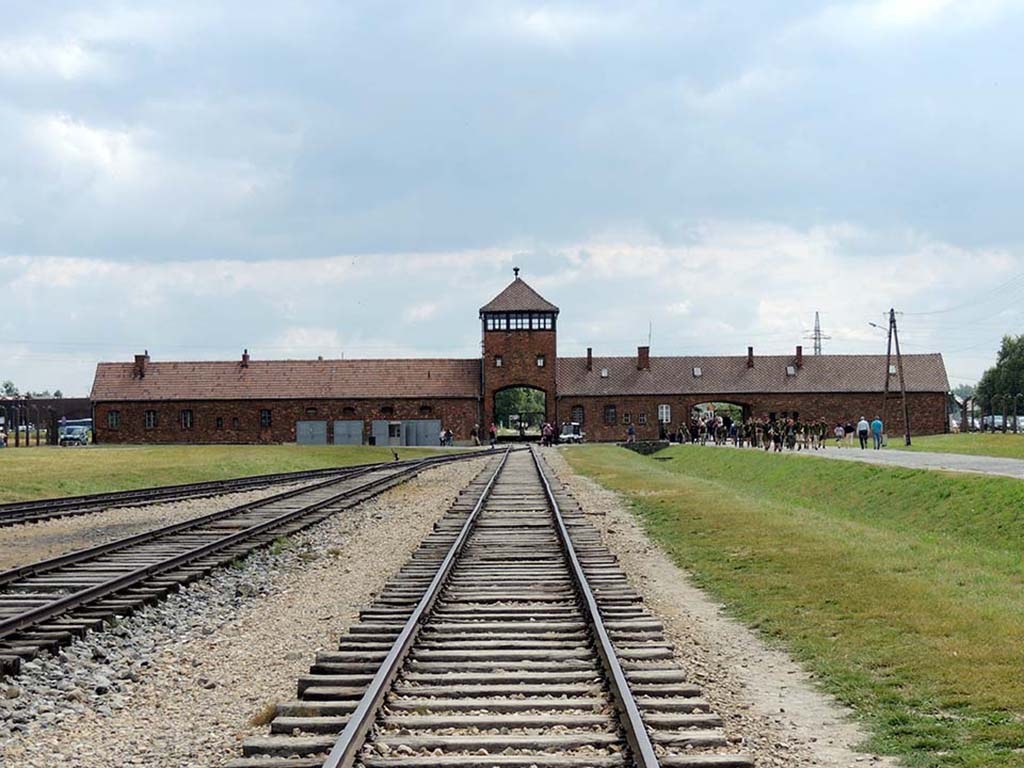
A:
178, 683
763, 695
951, 462
31, 542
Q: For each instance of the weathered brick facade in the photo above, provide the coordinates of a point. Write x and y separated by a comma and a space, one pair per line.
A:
927, 411
519, 352
459, 415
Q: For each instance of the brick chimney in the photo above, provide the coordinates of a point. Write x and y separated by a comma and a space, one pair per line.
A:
590, 358
643, 358
799, 356
245, 358
750, 357
139, 369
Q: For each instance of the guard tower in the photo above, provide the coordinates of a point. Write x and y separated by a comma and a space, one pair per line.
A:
519, 350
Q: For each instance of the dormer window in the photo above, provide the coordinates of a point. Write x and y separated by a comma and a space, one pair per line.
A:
697, 372
791, 370
604, 373
892, 370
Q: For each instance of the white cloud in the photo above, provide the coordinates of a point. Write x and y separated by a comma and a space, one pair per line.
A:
35, 58
422, 311
857, 22
69, 142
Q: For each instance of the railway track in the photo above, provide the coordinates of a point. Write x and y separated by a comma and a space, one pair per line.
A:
46, 604
19, 512
511, 638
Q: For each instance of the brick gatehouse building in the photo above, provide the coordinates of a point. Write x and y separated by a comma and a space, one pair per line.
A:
407, 402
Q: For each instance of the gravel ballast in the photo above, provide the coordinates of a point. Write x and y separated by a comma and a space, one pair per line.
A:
179, 683
761, 693
31, 542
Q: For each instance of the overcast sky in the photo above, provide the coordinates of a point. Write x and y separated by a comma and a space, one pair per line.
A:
357, 179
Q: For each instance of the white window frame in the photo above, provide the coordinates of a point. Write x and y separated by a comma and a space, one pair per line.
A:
697, 371
665, 413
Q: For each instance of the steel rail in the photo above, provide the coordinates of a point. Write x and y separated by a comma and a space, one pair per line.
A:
112, 586
346, 748
70, 558
625, 704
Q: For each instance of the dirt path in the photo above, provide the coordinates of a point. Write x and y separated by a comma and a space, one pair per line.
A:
762, 694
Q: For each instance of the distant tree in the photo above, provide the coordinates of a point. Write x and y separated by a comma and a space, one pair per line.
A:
964, 391
58, 394
9, 389
1006, 377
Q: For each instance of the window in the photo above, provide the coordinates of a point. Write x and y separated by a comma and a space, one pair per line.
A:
150, 420
186, 418
498, 360
234, 422
577, 414
219, 424
395, 429
311, 411
519, 321
541, 321
665, 413
114, 419
496, 322
426, 410
610, 416
642, 418
540, 361
697, 372
387, 409
604, 373
892, 370
791, 370
627, 418
265, 418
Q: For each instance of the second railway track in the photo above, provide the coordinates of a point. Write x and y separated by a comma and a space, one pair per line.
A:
46, 604
16, 513
512, 639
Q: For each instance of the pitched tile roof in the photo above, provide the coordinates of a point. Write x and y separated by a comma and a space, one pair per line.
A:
518, 297
730, 375
276, 379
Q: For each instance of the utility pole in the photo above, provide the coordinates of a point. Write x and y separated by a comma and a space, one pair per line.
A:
817, 335
894, 336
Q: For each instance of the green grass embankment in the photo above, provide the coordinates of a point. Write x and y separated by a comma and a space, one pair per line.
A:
50, 472
903, 590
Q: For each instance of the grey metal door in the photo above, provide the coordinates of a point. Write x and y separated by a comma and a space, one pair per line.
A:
348, 432
379, 430
311, 432
421, 431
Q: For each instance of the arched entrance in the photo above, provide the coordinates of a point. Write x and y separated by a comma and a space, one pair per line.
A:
519, 412
731, 412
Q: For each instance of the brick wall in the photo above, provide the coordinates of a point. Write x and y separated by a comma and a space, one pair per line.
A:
927, 411
518, 351
457, 414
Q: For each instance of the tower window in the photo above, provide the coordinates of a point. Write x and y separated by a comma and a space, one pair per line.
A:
540, 361
498, 360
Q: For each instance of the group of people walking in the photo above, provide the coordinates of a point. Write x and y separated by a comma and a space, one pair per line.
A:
778, 434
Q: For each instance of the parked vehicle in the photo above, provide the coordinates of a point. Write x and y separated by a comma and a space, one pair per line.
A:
75, 436
571, 433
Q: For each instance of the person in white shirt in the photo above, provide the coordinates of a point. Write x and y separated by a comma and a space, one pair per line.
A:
840, 433
863, 428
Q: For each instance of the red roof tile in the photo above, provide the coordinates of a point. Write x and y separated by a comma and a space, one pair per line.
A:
518, 297
730, 375
276, 379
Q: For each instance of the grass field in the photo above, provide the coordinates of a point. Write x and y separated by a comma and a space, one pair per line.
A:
47, 472
1008, 446
901, 589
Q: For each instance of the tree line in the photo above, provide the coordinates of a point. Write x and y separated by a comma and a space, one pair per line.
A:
10, 390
